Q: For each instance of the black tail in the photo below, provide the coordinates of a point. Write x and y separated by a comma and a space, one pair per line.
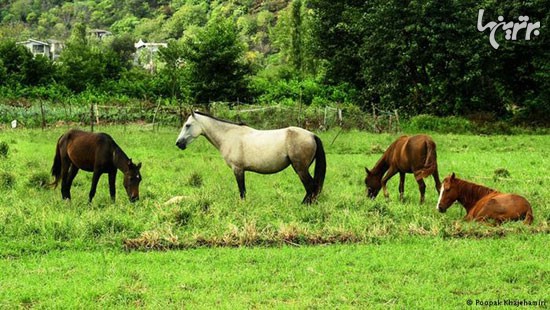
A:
320, 167
56, 167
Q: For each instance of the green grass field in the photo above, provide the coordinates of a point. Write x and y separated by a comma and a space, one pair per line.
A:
210, 249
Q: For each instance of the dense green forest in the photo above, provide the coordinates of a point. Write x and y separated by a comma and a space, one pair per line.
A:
420, 57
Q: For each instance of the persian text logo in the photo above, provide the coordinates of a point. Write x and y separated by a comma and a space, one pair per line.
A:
512, 28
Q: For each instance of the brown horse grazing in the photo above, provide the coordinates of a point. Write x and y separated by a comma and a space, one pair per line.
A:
97, 153
482, 203
416, 154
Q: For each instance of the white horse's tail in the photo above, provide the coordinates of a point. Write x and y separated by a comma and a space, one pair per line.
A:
320, 167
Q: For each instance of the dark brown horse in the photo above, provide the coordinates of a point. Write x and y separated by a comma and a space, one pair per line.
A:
97, 153
416, 154
482, 203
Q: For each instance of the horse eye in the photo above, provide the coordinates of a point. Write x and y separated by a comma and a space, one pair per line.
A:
187, 125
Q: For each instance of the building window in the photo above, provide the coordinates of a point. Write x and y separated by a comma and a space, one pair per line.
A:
38, 49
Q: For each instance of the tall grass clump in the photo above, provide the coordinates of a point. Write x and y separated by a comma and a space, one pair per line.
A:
7, 180
451, 124
39, 180
195, 180
4, 148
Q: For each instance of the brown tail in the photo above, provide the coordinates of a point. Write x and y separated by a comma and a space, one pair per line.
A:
56, 167
430, 164
528, 217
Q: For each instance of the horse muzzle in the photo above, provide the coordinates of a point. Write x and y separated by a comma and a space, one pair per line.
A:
181, 144
134, 199
441, 210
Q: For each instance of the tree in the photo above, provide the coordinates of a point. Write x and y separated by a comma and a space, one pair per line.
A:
293, 38
21, 69
87, 65
15, 59
40, 71
428, 56
3, 72
170, 77
186, 16
123, 47
337, 33
213, 60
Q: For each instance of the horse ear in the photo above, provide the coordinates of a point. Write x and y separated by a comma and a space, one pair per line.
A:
139, 166
453, 176
192, 113
367, 170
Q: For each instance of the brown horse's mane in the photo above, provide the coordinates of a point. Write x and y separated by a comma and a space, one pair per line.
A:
470, 193
219, 119
119, 157
382, 165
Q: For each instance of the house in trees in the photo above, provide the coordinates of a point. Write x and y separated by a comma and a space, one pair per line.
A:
49, 48
55, 48
99, 33
145, 55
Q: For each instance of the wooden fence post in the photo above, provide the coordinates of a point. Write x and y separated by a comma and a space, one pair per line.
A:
43, 115
92, 116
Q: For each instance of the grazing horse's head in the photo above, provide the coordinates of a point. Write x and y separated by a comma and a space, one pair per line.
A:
373, 183
448, 193
191, 129
132, 178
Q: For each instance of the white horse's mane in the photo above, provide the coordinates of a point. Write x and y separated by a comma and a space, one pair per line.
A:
219, 119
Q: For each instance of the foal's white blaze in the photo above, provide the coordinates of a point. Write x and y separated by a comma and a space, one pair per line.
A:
440, 196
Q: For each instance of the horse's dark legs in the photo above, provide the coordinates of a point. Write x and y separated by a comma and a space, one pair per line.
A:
65, 183
389, 174
309, 186
71, 174
401, 185
95, 179
307, 181
112, 183
239, 175
422, 188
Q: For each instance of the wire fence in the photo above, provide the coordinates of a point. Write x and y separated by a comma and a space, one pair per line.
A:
45, 114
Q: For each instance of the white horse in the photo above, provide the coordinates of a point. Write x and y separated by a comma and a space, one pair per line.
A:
262, 151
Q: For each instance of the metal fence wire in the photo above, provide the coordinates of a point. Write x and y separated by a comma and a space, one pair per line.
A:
317, 118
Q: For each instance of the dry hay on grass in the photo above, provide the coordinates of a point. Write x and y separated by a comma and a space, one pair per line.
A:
245, 236
175, 200
290, 234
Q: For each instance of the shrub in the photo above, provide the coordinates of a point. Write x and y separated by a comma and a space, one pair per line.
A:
182, 217
501, 173
39, 180
4, 148
7, 180
195, 180
451, 124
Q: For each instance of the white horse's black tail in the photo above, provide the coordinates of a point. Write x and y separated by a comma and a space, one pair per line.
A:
320, 168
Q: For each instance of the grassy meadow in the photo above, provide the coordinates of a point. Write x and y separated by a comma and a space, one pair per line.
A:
207, 248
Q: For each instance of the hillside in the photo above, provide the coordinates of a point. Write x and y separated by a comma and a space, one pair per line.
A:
376, 54
152, 21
